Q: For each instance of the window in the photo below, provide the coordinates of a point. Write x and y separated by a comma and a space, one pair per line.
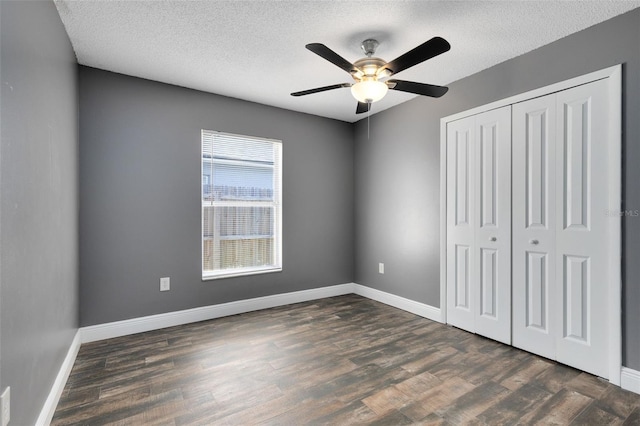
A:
241, 205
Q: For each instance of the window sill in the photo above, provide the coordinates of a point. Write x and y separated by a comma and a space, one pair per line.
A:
229, 273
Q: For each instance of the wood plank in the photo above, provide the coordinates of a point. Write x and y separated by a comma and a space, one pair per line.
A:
593, 415
561, 409
511, 408
437, 398
466, 408
386, 400
588, 385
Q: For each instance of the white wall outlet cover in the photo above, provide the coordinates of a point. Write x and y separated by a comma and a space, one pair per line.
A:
5, 406
381, 268
165, 284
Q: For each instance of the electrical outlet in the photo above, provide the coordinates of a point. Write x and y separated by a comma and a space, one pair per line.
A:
5, 407
165, 284
381, 268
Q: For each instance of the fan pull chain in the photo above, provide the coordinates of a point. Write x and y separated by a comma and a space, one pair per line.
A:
368, 118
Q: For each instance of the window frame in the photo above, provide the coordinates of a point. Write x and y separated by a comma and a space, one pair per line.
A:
276, 204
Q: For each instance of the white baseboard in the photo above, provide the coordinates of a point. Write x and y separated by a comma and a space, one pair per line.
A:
630, 380
49, 407
170, 319
408, 305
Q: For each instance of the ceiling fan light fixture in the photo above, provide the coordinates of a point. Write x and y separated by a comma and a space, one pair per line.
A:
369, 91
383, 73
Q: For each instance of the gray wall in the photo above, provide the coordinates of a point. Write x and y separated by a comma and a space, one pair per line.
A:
38, 202
140, 197
397, 169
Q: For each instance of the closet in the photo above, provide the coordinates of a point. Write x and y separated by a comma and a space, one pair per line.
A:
532, 235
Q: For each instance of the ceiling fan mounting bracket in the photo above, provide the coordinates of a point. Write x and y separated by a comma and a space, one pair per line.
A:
369, 46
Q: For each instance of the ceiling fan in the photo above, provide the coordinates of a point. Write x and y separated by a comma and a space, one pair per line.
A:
371, 74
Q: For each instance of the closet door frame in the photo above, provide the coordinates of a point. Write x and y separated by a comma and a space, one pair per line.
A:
613, 76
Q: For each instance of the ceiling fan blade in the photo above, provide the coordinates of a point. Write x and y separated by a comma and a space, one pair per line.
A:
331, 56
426, 50
362, 107
320, 89
418, 88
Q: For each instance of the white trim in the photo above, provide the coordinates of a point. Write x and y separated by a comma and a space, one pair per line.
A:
154, 322
614, 76
408, 305
170, 319
630, 380
49, 407
225, 273
536, 93
443, 220
614, 167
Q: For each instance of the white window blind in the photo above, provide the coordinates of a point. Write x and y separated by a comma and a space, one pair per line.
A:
241, 205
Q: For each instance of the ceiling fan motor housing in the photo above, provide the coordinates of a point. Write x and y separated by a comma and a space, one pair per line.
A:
368, 66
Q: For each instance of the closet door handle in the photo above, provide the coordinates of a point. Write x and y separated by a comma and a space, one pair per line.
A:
493, 239
534, 242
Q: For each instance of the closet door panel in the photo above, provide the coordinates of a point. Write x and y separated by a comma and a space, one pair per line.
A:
461, 224
536, 291
581, 203
493, 233
533, 207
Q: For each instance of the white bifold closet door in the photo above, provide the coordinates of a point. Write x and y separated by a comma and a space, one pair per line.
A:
479, 224
560, 260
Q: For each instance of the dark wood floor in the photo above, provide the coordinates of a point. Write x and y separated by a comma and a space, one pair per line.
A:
341, 360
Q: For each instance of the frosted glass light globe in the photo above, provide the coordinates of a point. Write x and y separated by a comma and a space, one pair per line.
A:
368, 91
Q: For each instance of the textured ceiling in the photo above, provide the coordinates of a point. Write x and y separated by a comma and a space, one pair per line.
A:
254, 50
